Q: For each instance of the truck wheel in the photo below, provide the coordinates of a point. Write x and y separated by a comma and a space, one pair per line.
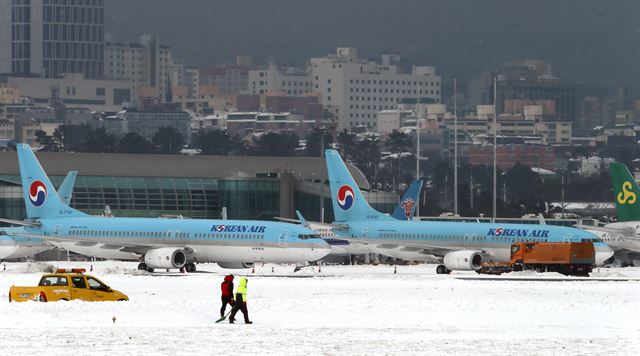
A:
190, 267
149, 269
64, 299
122, 300
142, 266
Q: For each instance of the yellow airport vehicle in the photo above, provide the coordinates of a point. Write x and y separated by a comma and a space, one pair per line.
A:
66, 284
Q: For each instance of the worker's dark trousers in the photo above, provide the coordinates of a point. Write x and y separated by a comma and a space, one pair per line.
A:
225, 301
242, 306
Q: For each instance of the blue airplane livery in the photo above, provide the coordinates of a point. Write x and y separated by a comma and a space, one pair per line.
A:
13, 245
159, 243
405, 210
461, 245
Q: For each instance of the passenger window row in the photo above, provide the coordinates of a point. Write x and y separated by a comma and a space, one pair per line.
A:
107, 233
458, 237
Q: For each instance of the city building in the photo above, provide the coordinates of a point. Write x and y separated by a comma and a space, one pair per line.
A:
47, 38
355, 90
229, 79
529, 82
144, 123
191, 186
73, 90
508, 155
146, 65
245, 123
276, 81
393, 120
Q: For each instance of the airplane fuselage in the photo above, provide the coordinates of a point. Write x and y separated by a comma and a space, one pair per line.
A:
205, 240
618, 237
494, 240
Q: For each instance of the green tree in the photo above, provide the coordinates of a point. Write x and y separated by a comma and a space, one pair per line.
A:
313, 141
275, 144
168, 140
100, 141
398, 142
47, 142
215, 142
73, 138
366, 156
132, 142
347, 143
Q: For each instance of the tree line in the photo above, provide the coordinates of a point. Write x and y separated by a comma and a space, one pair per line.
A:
84, 138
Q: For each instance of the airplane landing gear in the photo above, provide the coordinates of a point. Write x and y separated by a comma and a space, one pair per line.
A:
143, 267
441, 269
190, 267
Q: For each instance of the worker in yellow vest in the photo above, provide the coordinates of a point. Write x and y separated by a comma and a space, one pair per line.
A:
241, 302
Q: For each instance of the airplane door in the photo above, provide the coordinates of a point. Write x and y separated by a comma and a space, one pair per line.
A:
365, 232
282, 239
57, 230
567, 237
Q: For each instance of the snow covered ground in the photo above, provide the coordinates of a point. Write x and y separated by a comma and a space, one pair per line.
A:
340, 310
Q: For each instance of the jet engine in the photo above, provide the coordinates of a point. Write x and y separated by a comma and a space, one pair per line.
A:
465, 260
165, 257
235, 265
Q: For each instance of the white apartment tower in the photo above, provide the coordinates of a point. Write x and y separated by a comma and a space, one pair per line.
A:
144, 64
356, 90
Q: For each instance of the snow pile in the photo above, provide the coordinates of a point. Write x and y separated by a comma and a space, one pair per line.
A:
338, 310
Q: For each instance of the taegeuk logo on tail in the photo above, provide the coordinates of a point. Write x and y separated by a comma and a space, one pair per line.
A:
37, 193
345, 197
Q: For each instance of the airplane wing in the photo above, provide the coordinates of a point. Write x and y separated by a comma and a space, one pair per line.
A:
115, 246
20, 222
628, 232
313, 223
404, 246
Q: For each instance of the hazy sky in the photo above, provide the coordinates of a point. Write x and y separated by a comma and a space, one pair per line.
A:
591, 42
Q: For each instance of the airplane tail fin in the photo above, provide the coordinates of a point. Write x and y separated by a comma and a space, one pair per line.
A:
65, 191
347, 199
407, 206
626, 192
40, 197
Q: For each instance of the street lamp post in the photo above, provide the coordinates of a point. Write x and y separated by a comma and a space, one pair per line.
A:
322, 130
495, 156
455, 148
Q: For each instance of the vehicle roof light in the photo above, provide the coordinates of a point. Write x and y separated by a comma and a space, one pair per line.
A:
71, 270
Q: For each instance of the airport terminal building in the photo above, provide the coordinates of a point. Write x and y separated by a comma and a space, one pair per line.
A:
191, 186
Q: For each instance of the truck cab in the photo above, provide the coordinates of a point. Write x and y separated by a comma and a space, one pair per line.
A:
67, 285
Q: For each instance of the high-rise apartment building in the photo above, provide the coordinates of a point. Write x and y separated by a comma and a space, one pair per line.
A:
52, 37
355, 90
147, 65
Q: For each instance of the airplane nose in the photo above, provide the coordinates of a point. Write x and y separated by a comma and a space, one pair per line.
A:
319, 250
603, 253
7, 250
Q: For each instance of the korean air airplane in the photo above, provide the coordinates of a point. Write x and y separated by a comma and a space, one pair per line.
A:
159, 243
462, 246
624, 235
405, 210
13, 243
